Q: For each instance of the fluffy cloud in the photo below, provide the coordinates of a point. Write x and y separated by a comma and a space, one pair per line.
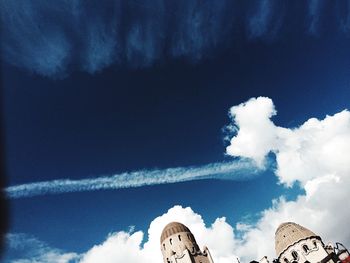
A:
126, 247
119, 247
317, 149
256, 132
315, 154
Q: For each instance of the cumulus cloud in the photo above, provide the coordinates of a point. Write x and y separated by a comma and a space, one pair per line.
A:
316, 155
316, 149
126, 247
119, 247
251, 142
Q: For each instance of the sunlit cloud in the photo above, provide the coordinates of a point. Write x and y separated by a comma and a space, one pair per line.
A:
316, 155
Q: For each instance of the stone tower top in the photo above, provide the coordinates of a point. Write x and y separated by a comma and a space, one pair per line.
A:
178, 245
287, 234
172, 229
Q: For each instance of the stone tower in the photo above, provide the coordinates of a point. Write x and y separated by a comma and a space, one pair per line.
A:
297, 244
178, 245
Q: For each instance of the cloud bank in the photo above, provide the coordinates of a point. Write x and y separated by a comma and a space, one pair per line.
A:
53, 40
126, 247
315, 154
234, 170
219, 237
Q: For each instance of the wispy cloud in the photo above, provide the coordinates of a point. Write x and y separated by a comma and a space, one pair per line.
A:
315, 12
265, 19
234, 170
53, 40
23, 248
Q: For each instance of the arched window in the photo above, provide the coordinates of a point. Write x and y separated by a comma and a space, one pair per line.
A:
171, 241
164, 246
286, 260
306, 248
315, 244
295, 255
193, 250
179, 237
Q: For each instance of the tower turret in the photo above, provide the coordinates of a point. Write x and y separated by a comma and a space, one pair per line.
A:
297, 244
178, 245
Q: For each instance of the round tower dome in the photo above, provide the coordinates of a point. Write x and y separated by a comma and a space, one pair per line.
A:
172, 229
287, 234
175, 239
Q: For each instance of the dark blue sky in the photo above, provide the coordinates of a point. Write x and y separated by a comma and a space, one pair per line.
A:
169, 113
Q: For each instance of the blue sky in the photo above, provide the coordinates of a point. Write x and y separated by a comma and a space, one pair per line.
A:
102, 89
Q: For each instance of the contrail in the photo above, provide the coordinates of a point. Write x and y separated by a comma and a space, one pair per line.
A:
234, 170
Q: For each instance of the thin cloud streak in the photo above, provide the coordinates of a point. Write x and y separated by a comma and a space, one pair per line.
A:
234, 170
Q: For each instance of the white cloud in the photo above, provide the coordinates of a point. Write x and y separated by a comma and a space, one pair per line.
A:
256, 133
315, 149
119, 247
233, 170
28, 249
316, 154
126, 247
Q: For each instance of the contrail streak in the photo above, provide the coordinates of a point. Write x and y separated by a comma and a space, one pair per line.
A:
234, 170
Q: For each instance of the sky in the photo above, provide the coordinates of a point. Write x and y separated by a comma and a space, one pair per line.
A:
122, 116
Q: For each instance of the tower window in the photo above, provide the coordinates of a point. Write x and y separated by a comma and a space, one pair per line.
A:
189, 236
164, 246
315, 244
295, 255
179, 237
306, 248
171, 241
286, 260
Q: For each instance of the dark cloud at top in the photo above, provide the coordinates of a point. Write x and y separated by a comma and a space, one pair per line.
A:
54, 38
265, 19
